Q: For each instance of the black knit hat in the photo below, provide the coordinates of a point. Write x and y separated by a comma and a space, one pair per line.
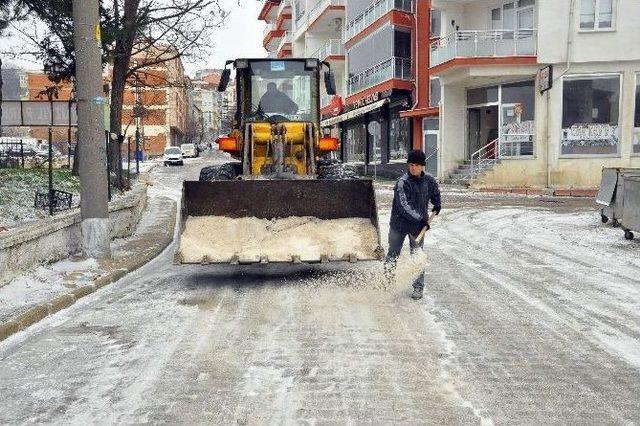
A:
417, 157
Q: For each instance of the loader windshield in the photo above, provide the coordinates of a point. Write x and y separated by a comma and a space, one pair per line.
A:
282, 91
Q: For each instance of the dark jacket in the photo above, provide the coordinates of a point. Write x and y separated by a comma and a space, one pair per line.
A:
411, 198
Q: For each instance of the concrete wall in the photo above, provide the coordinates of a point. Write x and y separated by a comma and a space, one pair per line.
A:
452, 128
52, 239
622, 42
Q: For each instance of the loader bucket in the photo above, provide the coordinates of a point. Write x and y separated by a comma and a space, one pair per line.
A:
273, 221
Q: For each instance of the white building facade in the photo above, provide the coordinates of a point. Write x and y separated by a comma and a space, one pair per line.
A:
537, 93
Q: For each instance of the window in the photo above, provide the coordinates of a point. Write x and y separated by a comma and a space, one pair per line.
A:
517, 128
636, 120
434, 92
355, 140
596, 14
436, 23
496, 19
399, 136
482, 95
590, 114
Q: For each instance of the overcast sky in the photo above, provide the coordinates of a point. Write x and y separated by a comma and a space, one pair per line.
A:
240, 37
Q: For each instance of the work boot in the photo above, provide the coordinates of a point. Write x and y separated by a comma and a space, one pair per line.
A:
417, 293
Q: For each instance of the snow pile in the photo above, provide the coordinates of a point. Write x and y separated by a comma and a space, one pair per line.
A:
221, 239
44, 284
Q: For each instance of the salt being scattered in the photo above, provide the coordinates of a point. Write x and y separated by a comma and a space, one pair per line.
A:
220, 239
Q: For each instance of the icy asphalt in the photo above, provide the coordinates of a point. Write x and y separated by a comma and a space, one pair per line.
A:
531, 315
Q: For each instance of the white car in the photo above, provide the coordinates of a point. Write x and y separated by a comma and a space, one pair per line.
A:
173, 155
189, 150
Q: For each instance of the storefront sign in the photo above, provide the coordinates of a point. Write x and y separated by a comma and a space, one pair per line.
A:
374, 97
591, 134
545, 79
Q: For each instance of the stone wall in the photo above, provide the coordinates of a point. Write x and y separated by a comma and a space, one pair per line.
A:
58, 237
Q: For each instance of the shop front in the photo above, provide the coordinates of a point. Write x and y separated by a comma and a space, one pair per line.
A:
501, 120
374, 136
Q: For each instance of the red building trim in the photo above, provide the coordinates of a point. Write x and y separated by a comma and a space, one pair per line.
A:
281, 18
266, 8
326, 110
270, 36
422, 112
483, 61
335, 58
396, 17
284, 53
381, 87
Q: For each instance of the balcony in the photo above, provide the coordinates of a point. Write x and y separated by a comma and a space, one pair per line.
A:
392, 68
484, 44
375, 11
304, 22
283, 15
285, 45
284, 7
332, 48
272, 36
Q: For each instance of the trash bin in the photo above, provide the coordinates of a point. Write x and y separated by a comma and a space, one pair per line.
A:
631, 209
611, 193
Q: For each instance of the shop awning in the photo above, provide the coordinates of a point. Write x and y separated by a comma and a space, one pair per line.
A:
353, 113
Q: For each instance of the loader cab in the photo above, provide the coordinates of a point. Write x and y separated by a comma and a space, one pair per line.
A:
283, 90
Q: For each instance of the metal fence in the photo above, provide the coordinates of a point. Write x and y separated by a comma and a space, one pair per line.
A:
12, 154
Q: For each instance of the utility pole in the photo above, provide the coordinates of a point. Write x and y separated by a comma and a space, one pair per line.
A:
1, 82
92, 167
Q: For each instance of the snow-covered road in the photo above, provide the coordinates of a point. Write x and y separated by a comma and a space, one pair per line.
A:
531, 315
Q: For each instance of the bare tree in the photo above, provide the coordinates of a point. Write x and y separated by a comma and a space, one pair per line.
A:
157, 30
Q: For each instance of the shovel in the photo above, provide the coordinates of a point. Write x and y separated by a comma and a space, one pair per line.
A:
420, 236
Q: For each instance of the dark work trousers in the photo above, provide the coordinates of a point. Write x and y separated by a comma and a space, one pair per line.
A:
396, 240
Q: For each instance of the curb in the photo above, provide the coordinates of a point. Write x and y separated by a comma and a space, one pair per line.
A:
569, 192
41, 311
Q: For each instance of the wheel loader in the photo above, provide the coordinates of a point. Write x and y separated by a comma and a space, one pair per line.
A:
280, 200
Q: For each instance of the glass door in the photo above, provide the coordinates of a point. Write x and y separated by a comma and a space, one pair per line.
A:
473, 134
430, 140
516, 138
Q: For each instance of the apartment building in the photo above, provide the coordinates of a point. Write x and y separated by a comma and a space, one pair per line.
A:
368, 44
537, 93
162, 91
208, 101
37, 83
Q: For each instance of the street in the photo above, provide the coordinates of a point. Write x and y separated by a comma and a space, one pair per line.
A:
531, 315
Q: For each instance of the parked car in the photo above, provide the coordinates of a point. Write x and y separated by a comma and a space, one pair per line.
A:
173, 155
189, 150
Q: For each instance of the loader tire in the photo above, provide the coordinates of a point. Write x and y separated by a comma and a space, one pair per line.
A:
330, 168
222, 172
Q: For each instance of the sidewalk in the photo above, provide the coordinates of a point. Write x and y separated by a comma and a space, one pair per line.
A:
50, 288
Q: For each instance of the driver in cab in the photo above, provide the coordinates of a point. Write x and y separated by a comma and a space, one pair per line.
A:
275, 100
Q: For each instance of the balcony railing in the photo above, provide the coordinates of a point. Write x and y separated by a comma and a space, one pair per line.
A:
399, 68
302, 22
286, 39
268, 29
376, 10
284, 4
333, 47
473, 44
